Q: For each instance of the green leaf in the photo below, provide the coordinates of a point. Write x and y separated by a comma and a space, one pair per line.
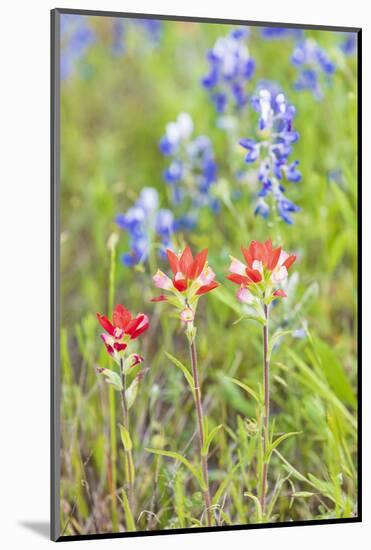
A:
174, 301
112, 378
131, 392
256, 318
276, 443
184, 461
310, 378
292, 471
188, 376
209, 438
223, 486
234, 396
129, 520
257, 504
303, 494
270, 299
326, 488
206, 427
344, 205
334, 373
225, 517
245, 387
125, 438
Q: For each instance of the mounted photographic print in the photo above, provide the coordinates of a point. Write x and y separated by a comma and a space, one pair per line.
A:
205, 199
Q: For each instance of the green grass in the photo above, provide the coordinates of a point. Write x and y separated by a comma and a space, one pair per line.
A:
113, 112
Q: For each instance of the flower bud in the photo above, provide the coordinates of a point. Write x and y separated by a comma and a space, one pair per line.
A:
187, 315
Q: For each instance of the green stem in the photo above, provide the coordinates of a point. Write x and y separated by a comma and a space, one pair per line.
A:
266, 410
113, 458
112, 406
129, 465
200, 425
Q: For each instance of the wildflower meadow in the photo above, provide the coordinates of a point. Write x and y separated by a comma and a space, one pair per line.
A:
208, 275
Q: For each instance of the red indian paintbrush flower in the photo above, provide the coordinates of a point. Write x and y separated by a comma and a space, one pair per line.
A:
121, 330
265, 268
192, 277
258, 279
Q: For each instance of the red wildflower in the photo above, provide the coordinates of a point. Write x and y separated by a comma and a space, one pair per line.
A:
265, 265
188, 271
122, 329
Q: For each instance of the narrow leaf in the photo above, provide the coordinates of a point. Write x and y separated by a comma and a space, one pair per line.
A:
276, 443
184, 461
223, 486
131, 393
319, 386
125, 438
210, 437
244, 387
256, 318
257, 504
129, 520
188, 376
335, 373
111, 378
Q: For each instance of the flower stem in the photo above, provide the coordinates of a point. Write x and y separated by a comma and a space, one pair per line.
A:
113, 458
200, 425
266, 410
112, 404
129, 465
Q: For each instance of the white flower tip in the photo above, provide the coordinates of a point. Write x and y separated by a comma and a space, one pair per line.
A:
112, 241
161, 280
237, 267
258, 265
265, 94
244, 295
279, 274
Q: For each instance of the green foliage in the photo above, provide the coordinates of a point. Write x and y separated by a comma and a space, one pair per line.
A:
112, 378
125, 438
275, 444
209, 438
129, 520
187, 375
194, 471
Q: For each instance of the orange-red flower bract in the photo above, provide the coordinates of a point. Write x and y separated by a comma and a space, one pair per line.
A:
265, 266
122, 329
190, 274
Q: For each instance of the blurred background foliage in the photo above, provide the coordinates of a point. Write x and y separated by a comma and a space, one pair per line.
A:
117, 95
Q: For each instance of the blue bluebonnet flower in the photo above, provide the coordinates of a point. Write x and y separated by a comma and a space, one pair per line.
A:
77, 36
118, 31
349, 44
192, 169
335, 175
176, 133
144, 222
272, 150
230, 67
151, 27
272, 33
314, 66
